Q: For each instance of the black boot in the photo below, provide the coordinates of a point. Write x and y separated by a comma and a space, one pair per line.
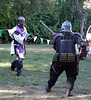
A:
68, 93
13, 65
11, 69
47, 89
19, 73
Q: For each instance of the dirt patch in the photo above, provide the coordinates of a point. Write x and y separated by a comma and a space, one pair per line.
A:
31, 49
39, 49
8, 49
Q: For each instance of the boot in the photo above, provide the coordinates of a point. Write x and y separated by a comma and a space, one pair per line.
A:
47, 89
13, 65
68, 93
12, 69
19, 73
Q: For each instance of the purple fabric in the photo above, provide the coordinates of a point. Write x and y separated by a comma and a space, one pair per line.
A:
21, 48
23, 34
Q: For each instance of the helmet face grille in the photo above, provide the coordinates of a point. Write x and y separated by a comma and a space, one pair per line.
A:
21, 18
21, 21
66, 26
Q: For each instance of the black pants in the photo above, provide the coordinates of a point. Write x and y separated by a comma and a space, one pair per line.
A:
17, 64
71, 70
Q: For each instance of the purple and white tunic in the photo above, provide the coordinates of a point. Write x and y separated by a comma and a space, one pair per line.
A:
19, 38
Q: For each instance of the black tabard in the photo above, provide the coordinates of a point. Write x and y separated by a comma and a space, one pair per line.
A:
65, 47
65, 43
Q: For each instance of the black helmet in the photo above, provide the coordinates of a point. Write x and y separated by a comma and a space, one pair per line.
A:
66, 26
21, 21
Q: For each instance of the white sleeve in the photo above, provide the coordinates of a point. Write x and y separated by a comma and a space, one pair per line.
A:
12, 51
26, 33
18, 38
25, 30
11, 31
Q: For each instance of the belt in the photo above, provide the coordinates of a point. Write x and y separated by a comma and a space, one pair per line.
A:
66, 57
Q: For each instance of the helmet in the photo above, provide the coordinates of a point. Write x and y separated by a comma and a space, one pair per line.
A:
21, 21
66, 27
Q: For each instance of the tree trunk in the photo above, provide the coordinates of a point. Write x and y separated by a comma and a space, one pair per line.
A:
83, 16
82, 24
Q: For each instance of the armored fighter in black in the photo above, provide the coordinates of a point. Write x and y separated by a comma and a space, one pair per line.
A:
66, 57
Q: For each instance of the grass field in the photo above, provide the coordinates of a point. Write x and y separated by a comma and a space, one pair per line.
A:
36, 69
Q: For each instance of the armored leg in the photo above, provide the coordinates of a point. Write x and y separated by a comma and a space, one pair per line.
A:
70, 84
19, 66
51, 81
72, 70
13, 65
54, 74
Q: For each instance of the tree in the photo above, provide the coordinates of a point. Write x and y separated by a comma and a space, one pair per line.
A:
83, 12
52, 12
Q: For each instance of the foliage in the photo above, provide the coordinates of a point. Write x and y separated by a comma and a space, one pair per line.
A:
52, 12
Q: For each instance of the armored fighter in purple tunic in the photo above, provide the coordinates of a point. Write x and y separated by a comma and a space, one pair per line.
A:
19, 36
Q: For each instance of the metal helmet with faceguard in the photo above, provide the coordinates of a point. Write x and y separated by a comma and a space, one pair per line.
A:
66, 26
21, 21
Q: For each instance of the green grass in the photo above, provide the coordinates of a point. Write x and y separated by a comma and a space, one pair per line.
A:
36, 69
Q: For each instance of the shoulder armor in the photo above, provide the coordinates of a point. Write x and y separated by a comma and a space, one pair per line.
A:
75, 33
56, 36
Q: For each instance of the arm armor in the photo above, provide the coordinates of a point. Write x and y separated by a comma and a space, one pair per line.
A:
83, 46
55, 39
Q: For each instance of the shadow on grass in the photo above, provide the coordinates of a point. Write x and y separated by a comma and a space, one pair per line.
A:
32, 87
36, 69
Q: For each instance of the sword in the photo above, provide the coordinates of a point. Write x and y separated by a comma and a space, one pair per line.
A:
47, 27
